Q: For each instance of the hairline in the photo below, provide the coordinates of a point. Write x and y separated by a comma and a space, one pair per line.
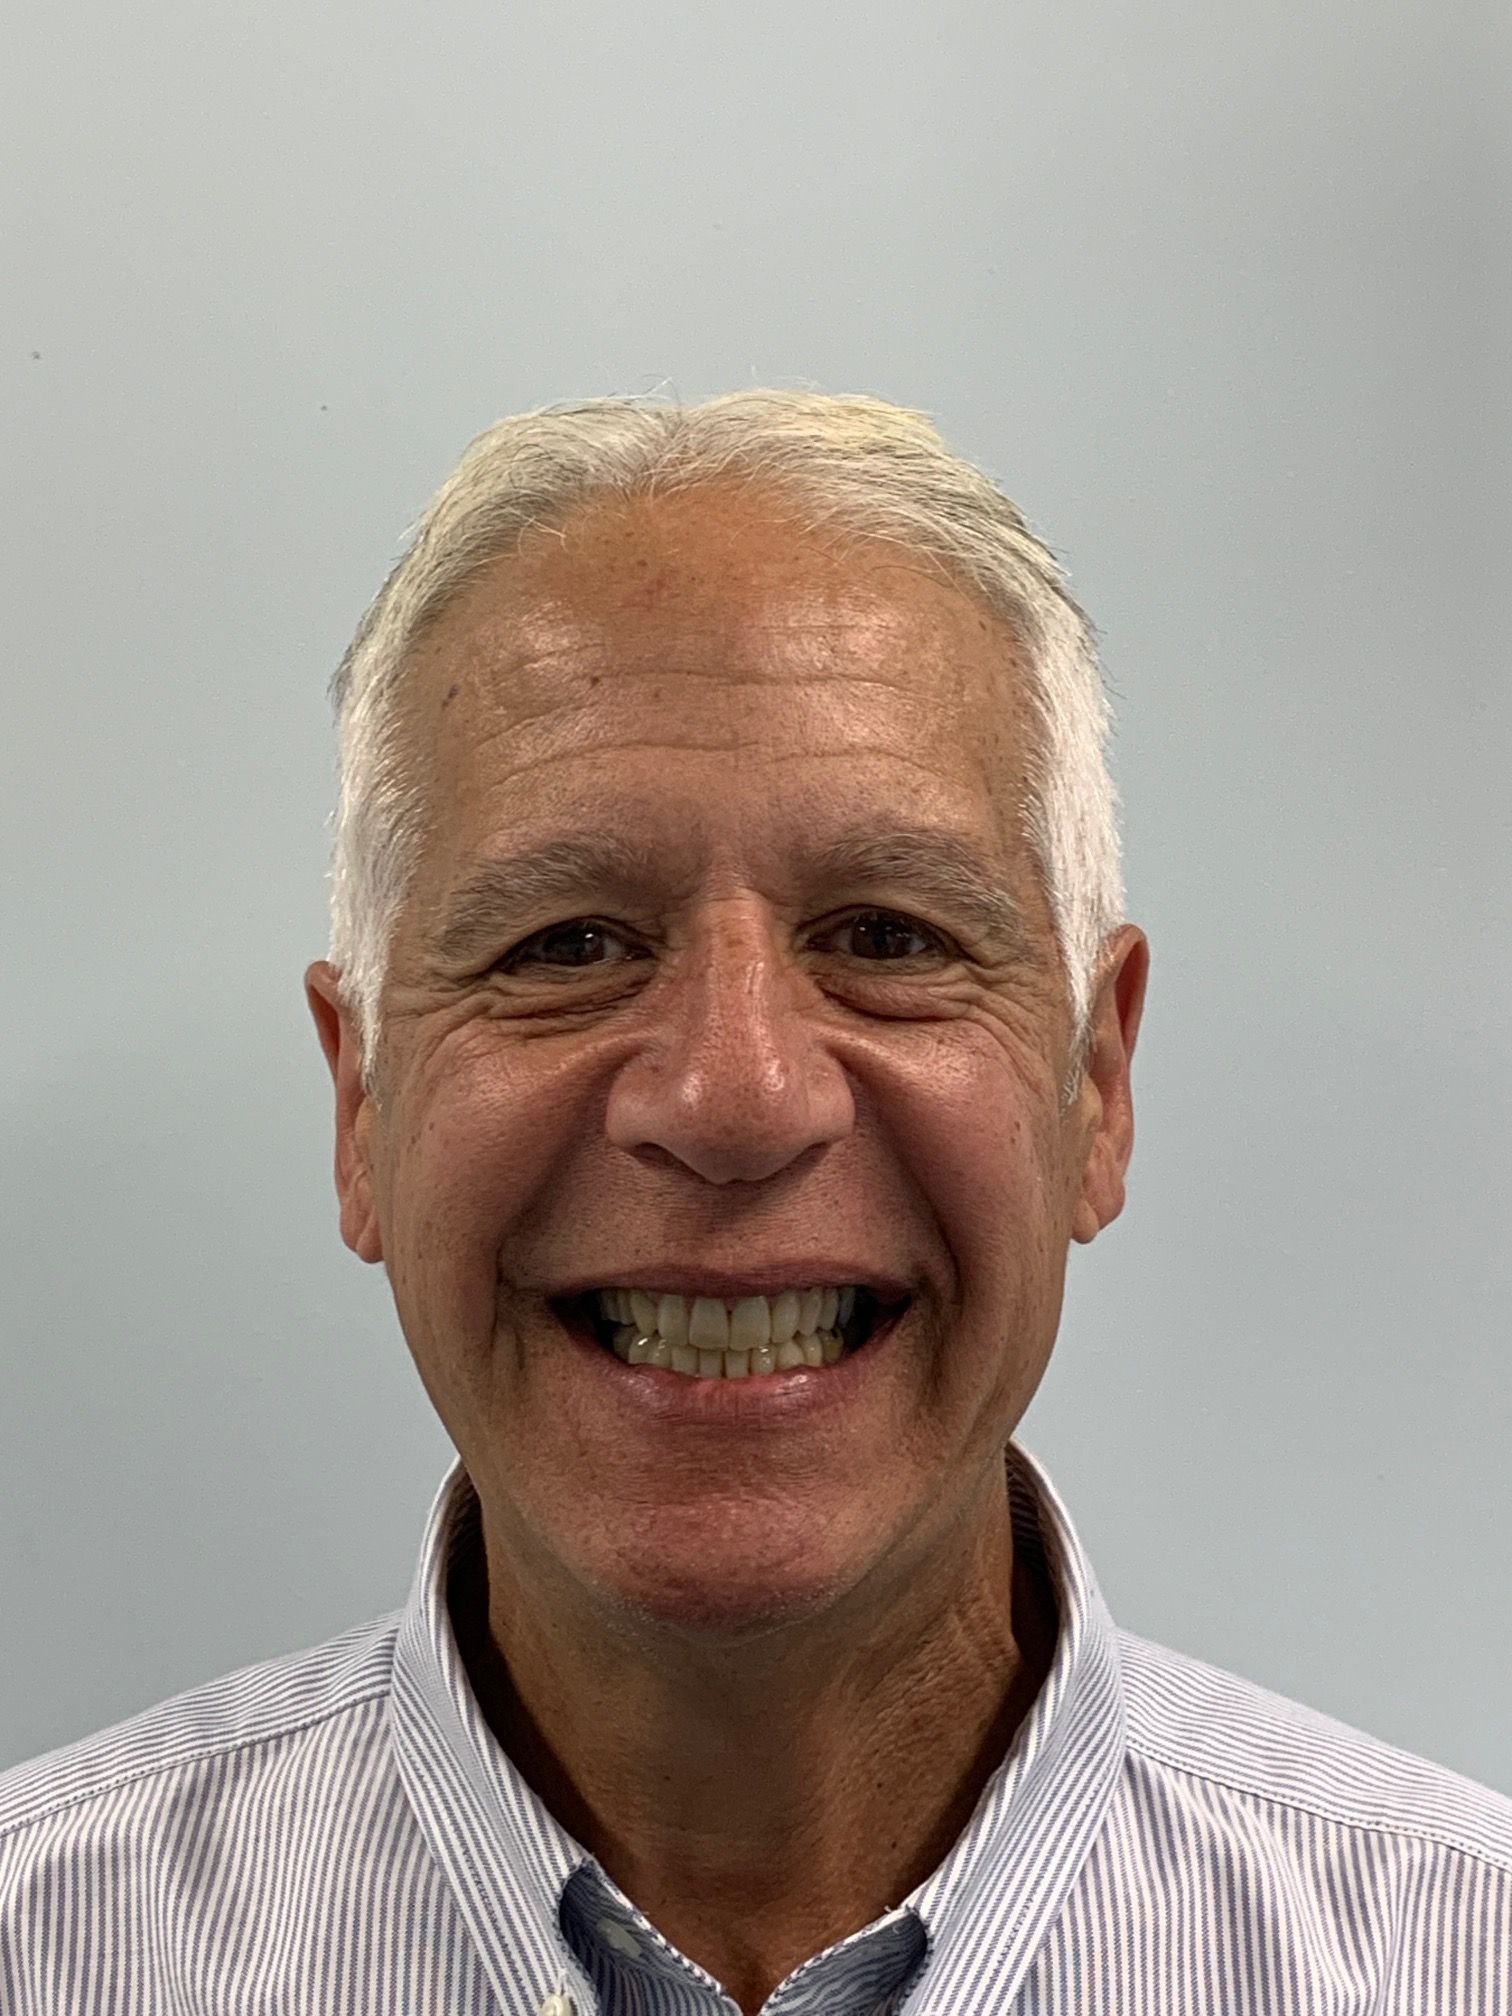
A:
510, 550
865, 471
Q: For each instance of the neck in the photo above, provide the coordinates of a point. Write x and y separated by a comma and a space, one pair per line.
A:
759, 1802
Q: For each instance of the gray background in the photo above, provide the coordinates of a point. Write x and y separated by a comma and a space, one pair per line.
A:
1218, 294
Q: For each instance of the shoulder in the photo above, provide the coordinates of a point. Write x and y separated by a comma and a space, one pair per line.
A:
235, 1727
1284, 1761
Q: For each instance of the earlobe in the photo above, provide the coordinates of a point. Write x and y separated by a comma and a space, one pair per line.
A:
354, 1186
1102, 1197
1120, 1005
354, 1118
1084, 1223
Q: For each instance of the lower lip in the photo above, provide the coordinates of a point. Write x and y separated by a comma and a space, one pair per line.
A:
768, 1400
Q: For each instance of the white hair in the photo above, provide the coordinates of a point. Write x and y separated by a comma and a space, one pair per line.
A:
854, 465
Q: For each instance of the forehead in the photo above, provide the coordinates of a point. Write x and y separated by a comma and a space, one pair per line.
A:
696, 643
717, 584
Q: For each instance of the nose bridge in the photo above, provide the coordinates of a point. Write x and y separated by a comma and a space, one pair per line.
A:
736, 1081
740, 1039
739, 992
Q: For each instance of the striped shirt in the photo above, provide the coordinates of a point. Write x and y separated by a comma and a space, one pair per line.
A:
339, 1833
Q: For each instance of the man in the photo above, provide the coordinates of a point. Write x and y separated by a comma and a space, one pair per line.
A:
730, 1012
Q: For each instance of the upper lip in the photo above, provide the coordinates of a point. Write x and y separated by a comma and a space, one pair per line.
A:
674, 1278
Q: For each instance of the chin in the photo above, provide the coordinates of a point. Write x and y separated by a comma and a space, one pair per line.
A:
724, 1595
719, 1615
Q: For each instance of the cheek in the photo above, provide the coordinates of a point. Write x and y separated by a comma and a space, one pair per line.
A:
988, 1147
978, 1137
488, 1135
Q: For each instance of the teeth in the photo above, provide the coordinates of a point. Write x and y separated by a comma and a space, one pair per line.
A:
707, 1338
823, 1348
642, 1310
672, 1319
709, 1325
750, 1323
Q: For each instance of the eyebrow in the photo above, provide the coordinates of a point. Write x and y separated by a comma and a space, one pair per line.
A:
935, 863
566, 870
559, 871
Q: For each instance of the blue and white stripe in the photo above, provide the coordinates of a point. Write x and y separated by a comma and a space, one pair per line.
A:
338, 1833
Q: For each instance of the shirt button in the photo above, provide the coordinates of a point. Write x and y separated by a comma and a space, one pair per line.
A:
556, 2005
614, 1934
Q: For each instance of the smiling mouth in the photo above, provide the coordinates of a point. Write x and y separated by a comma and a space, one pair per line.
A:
705, 1337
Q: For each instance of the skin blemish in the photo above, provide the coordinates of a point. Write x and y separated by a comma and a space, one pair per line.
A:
651, 587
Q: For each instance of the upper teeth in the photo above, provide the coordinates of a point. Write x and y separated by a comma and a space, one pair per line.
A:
708, 1324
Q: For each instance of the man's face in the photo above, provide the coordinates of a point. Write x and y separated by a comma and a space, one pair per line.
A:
755, 1042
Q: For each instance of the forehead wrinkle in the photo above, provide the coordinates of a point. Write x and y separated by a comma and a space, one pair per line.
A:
579, 719
612, 745
525, 627
845, 672
789, 585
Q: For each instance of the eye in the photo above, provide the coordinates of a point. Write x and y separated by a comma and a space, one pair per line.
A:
885, 935
583, 942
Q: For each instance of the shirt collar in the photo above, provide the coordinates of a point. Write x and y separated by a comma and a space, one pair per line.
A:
983, 1912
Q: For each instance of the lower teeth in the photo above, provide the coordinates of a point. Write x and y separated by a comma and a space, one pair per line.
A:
823, 1347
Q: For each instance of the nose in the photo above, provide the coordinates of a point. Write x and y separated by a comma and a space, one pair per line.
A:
735, 1080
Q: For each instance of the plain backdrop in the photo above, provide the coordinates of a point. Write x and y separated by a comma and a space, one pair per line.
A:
1219, 294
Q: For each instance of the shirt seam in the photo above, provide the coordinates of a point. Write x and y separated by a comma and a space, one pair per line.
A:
194, 1756
1442, 1837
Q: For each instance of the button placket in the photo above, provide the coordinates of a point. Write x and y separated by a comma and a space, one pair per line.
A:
560, 2002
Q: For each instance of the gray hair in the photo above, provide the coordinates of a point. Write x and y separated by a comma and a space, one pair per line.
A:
857, 466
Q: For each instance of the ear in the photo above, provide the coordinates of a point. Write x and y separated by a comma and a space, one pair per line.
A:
354, 1111
1116, 1010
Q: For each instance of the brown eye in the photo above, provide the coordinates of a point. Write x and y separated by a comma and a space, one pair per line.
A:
882, 934
580, 943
